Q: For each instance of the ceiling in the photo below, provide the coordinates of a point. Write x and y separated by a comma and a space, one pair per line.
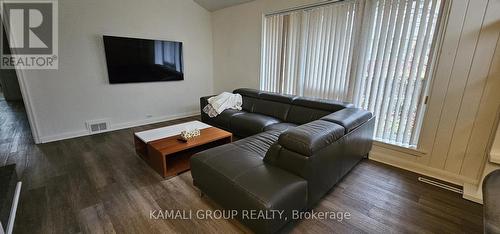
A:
213, 5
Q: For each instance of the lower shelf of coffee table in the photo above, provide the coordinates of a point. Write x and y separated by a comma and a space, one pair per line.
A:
177, 162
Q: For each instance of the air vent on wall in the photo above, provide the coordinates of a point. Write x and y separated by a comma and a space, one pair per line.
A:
97, 126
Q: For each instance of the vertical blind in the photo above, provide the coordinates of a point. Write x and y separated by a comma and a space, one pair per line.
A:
310, 52
377, 54
394, 65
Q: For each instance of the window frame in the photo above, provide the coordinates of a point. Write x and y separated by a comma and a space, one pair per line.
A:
428, 83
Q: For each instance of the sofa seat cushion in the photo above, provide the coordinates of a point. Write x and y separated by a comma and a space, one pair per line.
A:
280, 127
248, 124
259, 143
236, 177
223, 119
247, 152
228, 160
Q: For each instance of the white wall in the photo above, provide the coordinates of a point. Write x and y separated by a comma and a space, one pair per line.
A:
62, 100
463, 100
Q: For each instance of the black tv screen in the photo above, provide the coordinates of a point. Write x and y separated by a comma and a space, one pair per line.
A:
132, 60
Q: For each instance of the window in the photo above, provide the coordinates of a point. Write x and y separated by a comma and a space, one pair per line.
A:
377, 54
310, 52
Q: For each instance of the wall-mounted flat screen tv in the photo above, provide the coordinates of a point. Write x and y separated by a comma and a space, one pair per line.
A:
132, 60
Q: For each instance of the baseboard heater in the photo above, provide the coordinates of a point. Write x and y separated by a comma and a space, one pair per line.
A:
440, 185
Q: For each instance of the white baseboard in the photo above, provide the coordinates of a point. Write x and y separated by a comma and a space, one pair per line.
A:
118, 126
421, 169
470, 189
473, 192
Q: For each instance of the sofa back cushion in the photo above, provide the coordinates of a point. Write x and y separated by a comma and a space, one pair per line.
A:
249, 97
321, 104
270, 108
275, 105
289, 108
301, 115
305, 110
248, 103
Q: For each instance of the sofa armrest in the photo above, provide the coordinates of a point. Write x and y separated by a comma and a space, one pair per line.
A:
349, 118
309, 138
203, 102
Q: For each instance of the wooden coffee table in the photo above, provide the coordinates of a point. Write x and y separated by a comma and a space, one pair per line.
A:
167, 155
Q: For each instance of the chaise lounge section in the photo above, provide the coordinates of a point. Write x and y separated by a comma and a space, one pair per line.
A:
296, 149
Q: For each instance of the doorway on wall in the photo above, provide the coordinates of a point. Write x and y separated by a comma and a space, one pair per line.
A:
1, 93
14, 124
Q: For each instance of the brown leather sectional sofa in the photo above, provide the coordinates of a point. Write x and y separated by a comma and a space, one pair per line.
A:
294, 151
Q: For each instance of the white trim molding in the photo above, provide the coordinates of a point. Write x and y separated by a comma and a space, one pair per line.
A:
28, 106
402, 149
119, 126
13, 209
408, 165
474, 191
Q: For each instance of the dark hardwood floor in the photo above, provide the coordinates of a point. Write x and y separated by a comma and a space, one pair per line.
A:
97, 184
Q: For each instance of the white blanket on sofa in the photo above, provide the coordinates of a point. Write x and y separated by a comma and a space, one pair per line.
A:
221, 102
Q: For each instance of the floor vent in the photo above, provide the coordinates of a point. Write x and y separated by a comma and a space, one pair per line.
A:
97, 126
440, 185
